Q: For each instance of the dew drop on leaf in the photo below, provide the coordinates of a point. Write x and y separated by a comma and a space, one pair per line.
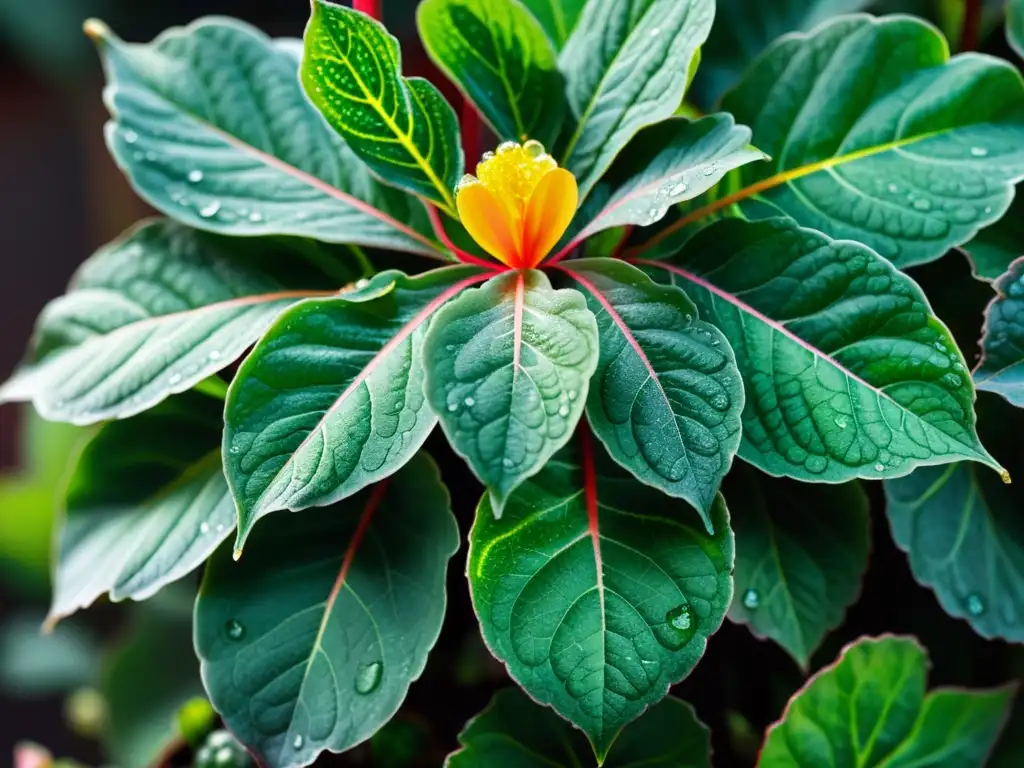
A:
507, 463
210, 210
841, 421
563, 411
204, 527
720, 402
678, 189
952, 380
234, 629
893, 188
979, 151
879, 467
975, 606
368, 677
298, 741
751, 600
470, 402
710, 170
453, 407
130, 136
572, 394
922, 204
195, 176
255, 217
682, 623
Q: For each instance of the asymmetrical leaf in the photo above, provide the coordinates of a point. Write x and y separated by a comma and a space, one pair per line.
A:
666, 399
626, 66
498, 54
1001, 368
508, 367
801, 550
878, 136
847, 371
870, 709
331, 398
402, 128
964, 534
558, 17
153, 314
309, 642
513, 732
996, 247
597, 592
211, 126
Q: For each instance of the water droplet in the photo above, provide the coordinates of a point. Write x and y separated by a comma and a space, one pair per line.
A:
470, 402
678, 189
893, 188
922, 204
939, 346
449, 347
506, 146
534, 148
979, 151
368, 677
224, 756
751, 599
879, 467
235, 630
210, 210
841, 421
195, 176
572, 394
563, 411
453, 407
298, 741
174, 379
655, 31
689, 318
507, 463
975, 606
235, 449
362, 282
952, 380
255, 217
151, 157
130, 136
988, 209
720, 402
204, 527
710, 170
682, 624
220, 527
214, 354
486, 156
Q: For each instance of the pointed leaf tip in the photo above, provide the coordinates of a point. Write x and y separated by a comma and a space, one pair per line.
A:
1005, 476
95, 30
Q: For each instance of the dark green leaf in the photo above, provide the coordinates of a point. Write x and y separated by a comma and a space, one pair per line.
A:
558, 17
146, 505
1015, 25
1001, 368
996, 247
508, 367
211, 126
401, 127
331, 399
310, 642
847, 371
667, 398
626, 66
598, 592
513, 732
801, 550
870, 709
497, 54
964, 534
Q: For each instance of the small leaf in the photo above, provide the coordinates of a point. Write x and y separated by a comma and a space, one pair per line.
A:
801, 550
1001, 368
667, 398
869, 708
626, 66
401, 127
211, 126
497, 54
996, 247
596, 592
310, 642
514, 731
153, 314
558, 17
331, 398
147, 504
964, 534
847, 371
508, 366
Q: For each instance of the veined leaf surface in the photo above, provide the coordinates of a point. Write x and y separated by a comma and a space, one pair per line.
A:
1001, 368
996, 247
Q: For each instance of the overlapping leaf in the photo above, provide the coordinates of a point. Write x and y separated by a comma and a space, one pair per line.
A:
598, 593
558, 17
996, 247
310, 642
154, 313
847, 371
210, 124
1001, 368
1015, 25
331, 399
401, 127
667, 398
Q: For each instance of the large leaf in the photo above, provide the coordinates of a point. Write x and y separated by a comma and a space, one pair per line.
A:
847, 371
1001, 368
995, 248
598, 592
513, 732
153, 314
801, 550
331, 399
211, 126
401, 127
508, 370
626, 66
878, 136
497, 53
558, 17
667, 398
146, 505
310, 642
870, 709
964, 534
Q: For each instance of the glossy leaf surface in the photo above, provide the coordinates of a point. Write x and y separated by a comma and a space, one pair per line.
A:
558, 17
996, 247
1001, 368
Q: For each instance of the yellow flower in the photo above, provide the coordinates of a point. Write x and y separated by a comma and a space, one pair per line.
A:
519, 203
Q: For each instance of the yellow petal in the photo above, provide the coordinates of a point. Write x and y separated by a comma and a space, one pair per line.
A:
488, 221
551, 208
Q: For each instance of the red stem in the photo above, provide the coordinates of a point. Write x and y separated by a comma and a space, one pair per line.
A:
621, 245
461, 255
370, 7
470, 120
969, 37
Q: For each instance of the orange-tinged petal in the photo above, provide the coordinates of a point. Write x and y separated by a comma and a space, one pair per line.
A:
488, 221
551, 208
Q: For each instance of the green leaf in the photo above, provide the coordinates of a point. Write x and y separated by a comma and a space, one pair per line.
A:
598, 593
153, 314
964, 534
508, 367
33, 664
870, 709
558, 17
211, 126
310, 642
1015, 26
996, 247
801, 550
402, 128
331, 398
513, 732
667, 398
626, 66
146, 505
918, 153
1001, 368
847, 371
498, 55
